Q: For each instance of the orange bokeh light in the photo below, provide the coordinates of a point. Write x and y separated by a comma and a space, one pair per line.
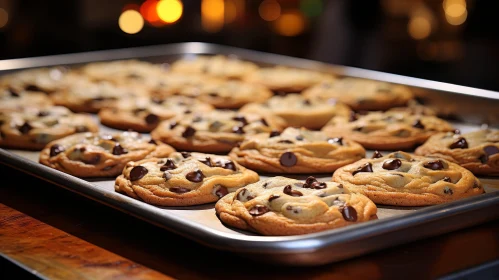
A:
269, 10
290, 23
148, 11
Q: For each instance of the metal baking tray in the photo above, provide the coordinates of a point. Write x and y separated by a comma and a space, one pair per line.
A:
395, 225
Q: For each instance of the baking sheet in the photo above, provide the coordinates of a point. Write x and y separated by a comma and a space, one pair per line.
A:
395, 225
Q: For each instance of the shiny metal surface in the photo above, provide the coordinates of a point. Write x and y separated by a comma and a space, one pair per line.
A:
395, 225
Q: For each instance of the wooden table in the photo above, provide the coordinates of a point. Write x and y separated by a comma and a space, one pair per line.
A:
63, 235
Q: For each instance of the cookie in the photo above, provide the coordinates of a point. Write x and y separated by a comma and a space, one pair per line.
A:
227, 94
90, 97
386, 130
183, 179
122, 71
12, 100
402, 179
476, 151
360, 94
284, 206
100, 155
216, 66
217, 131
45, 80
173, 83
296, 151
414, 108
33, 128
283, 79
299, 111
143, 114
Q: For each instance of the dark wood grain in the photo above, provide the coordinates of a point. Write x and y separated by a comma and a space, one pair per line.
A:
135, 241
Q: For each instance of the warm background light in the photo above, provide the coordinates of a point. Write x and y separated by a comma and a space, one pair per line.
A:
148, 11
169, 11
455, 11
269, 10
290, 23
131, 22
4, 17
212, 15
419, 27
311, 8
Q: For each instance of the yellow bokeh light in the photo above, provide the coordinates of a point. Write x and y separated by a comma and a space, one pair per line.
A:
419, 27
447, 3
455, 10
269, 10
131, 22
169, 11
4, 17
212, 15
457, 20
290, 24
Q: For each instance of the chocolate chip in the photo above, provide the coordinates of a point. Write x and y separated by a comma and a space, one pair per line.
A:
377, 154
312, 183
483, 159
476, 185
349, 213
299, 137
221, 192
448, 190
119, 150
241, 194
32, 88
288, 159
152, 142
195, 176
230, 165
43, 113
447, 179
206, 161
434, 165
491, 150
273, 196
306, 102
93, 160
258, 210
340, 186
185, 154
169, 165
264, 122
188, 132
289, 191
285, 141
418, 124
81, 128
265, 185
187, 111
213, 94
353, 117
241, 119
152, 119
460, 143
366, 167
392, 164
197, 119
336, 140
13, 93
138, 172
173, 125
274, 133
56, 149
25, 128
358, 128
238, 130
295, 210
179, 190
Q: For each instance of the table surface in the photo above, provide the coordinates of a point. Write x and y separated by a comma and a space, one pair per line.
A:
62, 235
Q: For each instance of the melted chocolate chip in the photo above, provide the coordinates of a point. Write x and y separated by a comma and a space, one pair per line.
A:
152, 142
460, 143
185, 154
238, 130
206, 161
152, 119
353, 117
195, 176
169, 165
173, 125
188, 132
221, 192
366, 167
179, 190
349, 213
273, 197
358, 128
340, 186
241, 119
299, 137
285, 141
274, 133
138, 172
434, 165
491, 150
25, 128
418, 124
13, 93
288, 159
312, 183
56, 149
483, 159
43, 113
230, 165
81, 128
377, 154
447, 179
187, 111
336, 140
258, 210
264, 122
32, 88
392, 164
289, 191
213, 94
119, 150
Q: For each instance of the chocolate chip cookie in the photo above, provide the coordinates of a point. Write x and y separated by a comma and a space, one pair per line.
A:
284, 206
45, 80
216, 66
183, 179
122, 71
100, 155
476, 151
143, 114
299, 111
406, 180
362, 94
216, 131
296, 151
90, 97
283, 79
32, 128
386, 130
12, 100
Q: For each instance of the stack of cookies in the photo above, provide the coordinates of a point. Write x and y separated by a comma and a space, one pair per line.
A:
217, 123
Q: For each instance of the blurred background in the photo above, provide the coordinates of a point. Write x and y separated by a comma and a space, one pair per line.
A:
455, 41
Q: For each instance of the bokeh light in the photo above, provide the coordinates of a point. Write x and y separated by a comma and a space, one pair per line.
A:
457, 20
149, 12
311, 8
131, 22
4, 17
230, 11
455, 11
212, 15
170, 11
419, 27
290, 23
269, 10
